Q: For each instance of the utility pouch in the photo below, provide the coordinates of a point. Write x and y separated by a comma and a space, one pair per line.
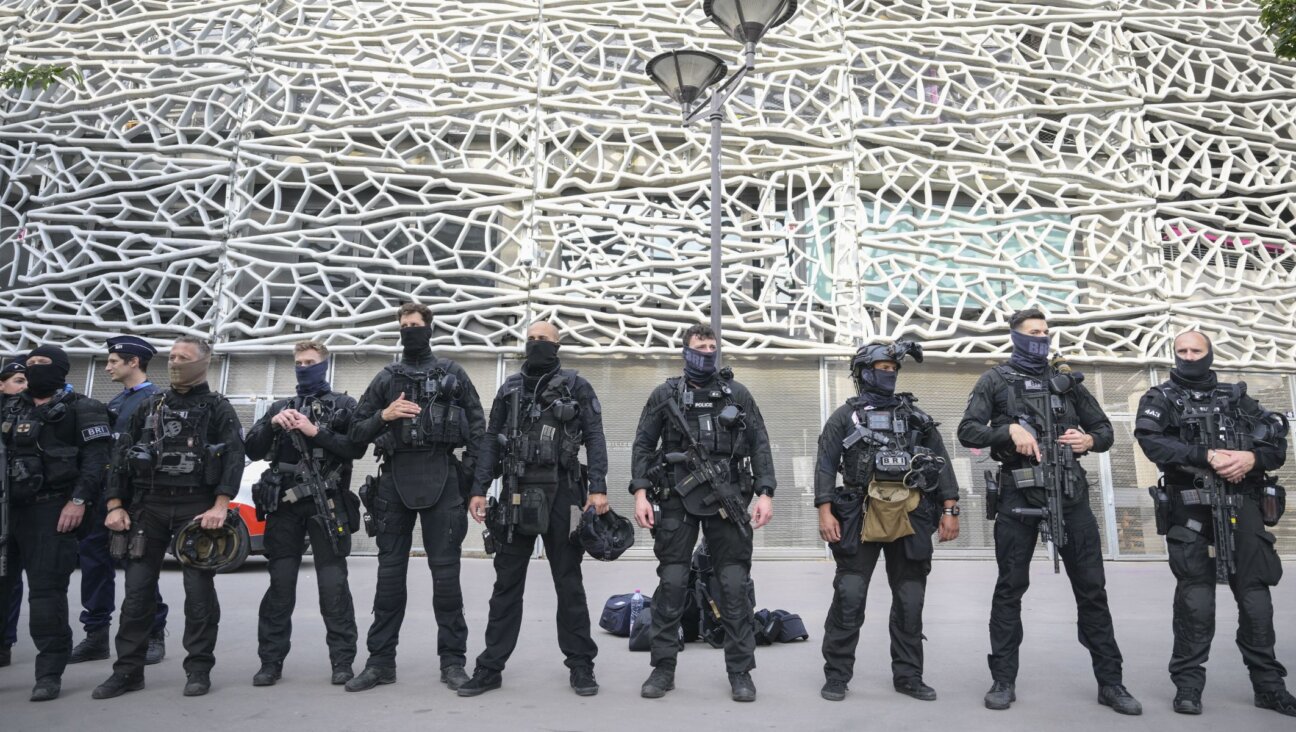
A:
1273, 504
138, 542
119, 545
1028, 477
534, 518
848, 508
1161, 507
991, 495
213, 464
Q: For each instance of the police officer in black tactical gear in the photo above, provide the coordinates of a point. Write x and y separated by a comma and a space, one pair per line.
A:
724, 422
1179, 423
127, 364
1003, 398
417, 413
318, 419
881, 442
13, 381
179, 457
557, 413
57, 445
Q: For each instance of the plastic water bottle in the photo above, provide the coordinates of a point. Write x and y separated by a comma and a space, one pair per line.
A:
636, 607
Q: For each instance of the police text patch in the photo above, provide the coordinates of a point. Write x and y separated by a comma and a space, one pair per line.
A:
1152, 413
95, 432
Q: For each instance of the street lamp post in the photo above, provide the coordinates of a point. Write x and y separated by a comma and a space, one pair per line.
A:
685, 75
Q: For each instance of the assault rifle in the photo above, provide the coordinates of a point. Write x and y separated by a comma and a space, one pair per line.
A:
703, 469
512, 463
1215, 429
1056, 471
311, 483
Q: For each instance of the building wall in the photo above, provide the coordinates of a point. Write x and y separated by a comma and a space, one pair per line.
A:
256, 171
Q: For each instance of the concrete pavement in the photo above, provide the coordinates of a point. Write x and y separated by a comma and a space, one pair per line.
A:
1056, 690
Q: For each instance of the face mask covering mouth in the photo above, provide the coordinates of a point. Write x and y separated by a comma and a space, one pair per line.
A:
416, 341
541, 356
186, 375
1030, 353
311, 379
45, 379
699, 366
1198, 370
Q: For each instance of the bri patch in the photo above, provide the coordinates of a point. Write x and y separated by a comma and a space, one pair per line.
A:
95, 432
1152, 413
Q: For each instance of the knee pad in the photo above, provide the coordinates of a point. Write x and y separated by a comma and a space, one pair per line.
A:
1255, 619
735, 589
907, 606
673, 589
1194, 613
850, 591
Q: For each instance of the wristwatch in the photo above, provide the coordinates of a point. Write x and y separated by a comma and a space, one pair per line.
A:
78, 501
951, 510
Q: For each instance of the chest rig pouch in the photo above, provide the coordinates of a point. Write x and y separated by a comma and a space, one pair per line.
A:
877, 446
21, 433
1211, 418
419, 463
182, 454
717, 423
548, 447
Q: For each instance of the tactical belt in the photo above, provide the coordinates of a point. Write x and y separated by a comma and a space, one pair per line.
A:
175, 491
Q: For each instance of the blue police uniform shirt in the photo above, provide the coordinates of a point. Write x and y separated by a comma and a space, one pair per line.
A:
125, 403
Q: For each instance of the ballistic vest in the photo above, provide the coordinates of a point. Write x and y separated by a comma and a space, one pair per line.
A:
551, 434
177, 436
701, 408
41, 459
865, 458
1027, 395
442, 423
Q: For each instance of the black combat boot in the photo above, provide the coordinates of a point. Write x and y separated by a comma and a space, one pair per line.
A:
46, 688
1119, 699
481, 682
1187, 700
370, 677
268, 675
741, 687
914, 686
341, 674
93, 648
454, 677
583, 681
833, 690
1001, 695
118, 684
6, 655
198, 684
660, 681
1280, 701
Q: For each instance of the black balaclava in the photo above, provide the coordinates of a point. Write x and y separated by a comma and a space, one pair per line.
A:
1030, 353
541, 357
876, 387
1196, 374
44, 380
312, 380
417, 342
699, 367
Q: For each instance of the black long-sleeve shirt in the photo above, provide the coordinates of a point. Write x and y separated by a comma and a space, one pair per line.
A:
383, 390
989, 415
223, 427
649, 433
1157, 429
841, 423
590, 412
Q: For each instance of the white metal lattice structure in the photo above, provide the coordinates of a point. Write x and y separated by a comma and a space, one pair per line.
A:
253, 169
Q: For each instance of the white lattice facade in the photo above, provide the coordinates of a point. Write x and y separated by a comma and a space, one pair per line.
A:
258, 171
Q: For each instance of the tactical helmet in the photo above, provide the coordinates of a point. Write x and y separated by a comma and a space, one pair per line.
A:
871, 353
605, 537
211, 550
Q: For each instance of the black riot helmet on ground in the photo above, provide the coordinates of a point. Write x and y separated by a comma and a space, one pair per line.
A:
871, 353
212, 550
605, 537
